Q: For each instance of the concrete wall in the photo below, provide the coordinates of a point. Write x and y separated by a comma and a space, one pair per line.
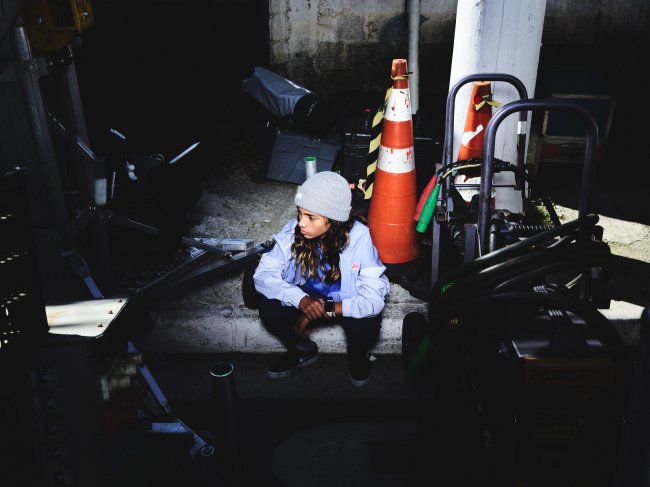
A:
329, 45
336, 44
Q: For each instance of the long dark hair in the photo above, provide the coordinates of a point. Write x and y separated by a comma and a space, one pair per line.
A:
307, 255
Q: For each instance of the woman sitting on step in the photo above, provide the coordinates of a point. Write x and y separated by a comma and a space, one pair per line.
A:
323, 268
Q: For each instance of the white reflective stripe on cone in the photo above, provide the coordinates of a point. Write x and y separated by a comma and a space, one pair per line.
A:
395, 160
469, 135
398, 108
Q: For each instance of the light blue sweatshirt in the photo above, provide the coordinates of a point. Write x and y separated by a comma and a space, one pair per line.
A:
363, 283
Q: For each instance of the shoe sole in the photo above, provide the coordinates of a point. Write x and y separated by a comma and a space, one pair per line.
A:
287, 373
359, 383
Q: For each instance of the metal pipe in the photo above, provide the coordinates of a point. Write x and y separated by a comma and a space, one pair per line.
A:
636, 432
48, 166
521, 247
74, 97
413, 59
223, 388
223, 385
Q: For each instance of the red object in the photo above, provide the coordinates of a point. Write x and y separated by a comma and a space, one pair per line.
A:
424, 196
476, 122
121, 412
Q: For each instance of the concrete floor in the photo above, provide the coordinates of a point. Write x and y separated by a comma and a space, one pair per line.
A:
314, 428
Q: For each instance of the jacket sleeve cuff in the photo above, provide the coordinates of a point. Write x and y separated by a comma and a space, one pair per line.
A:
346, 307
294, 296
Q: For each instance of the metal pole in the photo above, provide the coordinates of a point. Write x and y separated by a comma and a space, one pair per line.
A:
38, 118
413, 59
633, 461
223, 388
52, 223
74, 96
93, 177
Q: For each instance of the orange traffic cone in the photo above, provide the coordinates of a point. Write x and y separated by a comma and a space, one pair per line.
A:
394, 196
479, 114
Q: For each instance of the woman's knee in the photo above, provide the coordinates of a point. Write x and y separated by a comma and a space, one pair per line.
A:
274, 314
265, 307
363, 330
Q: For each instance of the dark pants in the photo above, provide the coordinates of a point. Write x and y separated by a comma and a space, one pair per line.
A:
361, 333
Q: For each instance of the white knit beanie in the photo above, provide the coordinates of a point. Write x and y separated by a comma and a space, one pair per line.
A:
327, 194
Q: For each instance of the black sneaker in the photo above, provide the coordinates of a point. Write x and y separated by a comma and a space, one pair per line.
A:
359, 369
289, 361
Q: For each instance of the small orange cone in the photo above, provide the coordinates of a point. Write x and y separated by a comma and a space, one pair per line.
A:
479, 114
394, 196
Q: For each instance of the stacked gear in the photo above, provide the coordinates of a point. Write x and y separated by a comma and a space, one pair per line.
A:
516, 351
454, 230
427, 202
467, 168
531, 381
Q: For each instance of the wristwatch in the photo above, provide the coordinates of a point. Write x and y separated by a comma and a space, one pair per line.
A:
329, 308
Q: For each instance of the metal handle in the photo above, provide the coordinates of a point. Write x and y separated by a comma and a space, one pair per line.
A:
451, 102
488, 154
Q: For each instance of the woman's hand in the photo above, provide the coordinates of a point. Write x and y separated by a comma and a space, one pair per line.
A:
300, 327
312, 308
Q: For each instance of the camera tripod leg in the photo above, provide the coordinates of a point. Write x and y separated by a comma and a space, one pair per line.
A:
177, 426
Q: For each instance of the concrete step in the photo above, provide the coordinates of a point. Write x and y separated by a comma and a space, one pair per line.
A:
214, 319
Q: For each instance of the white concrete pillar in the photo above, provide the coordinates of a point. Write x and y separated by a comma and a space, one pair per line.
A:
497, 36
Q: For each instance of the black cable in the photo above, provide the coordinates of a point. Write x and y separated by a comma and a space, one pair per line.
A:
511, 251
499, 166
512, 283
487, 278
